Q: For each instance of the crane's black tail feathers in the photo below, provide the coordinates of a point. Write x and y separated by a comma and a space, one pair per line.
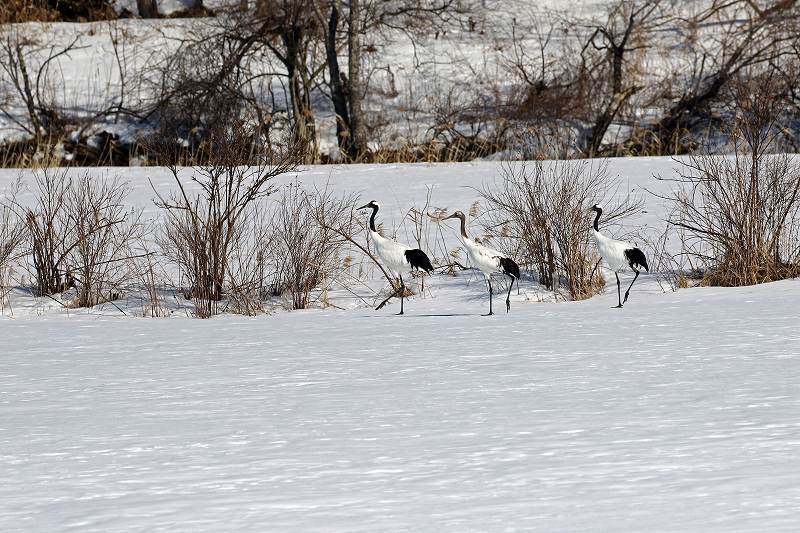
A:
509, 267
636, 258
418, 260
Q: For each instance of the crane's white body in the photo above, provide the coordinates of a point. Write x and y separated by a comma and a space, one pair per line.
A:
612, 251
391, 253
482, 257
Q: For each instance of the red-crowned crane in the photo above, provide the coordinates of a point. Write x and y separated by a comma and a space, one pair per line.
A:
618, 254
488, 261
396, 257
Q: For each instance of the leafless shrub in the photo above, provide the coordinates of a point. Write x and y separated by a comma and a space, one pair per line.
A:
12, 236
308, 252
538, 213
79, 234
252, 267
50, 231
202, 229
741, 214
103, 230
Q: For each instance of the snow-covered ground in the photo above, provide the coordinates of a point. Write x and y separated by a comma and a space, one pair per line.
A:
679, 412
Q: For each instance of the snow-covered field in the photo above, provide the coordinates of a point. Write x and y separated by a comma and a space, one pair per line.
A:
679, 412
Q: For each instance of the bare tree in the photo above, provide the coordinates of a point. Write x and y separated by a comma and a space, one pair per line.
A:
289, 29
363, 17
629, 28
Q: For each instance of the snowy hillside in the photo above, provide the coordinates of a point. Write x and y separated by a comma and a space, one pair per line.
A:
470, 75
677, 413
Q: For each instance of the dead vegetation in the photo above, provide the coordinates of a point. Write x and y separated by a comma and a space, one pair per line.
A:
307, 252
78, 234
203, 228
635, 77
740, 214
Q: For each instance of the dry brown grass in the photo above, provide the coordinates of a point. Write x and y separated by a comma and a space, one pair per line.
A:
741, 213
12, 11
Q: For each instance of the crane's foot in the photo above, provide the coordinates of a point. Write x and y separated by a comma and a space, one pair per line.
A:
617, 306
400, 313
490, 313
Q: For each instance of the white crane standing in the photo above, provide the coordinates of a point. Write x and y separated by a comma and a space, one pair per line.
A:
618, 254
396, 257
488, 261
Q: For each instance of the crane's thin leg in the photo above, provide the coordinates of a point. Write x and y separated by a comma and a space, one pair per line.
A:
508, 296
402, 294
490, 297
395, 293
619, 294
629, 288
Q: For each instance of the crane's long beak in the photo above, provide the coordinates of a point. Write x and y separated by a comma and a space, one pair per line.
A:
363, 207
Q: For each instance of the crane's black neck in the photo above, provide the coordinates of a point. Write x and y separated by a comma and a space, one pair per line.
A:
597, 218
372, 218
463, 226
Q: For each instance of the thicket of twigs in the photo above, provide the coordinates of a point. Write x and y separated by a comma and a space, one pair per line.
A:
739, 215
309, 252
78, 235
203, 231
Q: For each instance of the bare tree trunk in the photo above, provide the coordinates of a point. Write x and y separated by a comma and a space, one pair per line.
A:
616, 50
338, 93
148, 9
355, 84
299, 93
